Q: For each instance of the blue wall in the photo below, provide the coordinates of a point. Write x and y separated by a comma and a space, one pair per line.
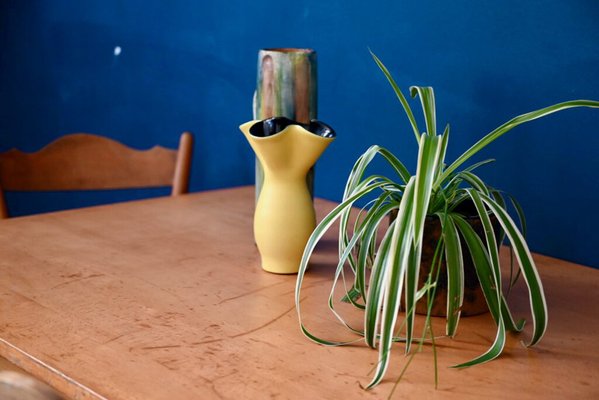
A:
191, 65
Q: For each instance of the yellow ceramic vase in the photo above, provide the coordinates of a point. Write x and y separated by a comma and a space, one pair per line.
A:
284, 217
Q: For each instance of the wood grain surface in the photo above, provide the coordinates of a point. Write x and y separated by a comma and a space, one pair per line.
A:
165, 299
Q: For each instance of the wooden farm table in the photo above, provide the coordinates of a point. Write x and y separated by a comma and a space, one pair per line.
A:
165, 299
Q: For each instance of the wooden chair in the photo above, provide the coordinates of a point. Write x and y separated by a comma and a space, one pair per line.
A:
83, 161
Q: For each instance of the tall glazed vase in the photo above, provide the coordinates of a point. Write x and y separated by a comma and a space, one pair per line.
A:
286, 87
285, 217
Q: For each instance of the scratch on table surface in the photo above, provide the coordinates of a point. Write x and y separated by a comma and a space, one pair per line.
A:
170, 364
264, 342
210, 382
77, 280
311, 284
21, 296
168, 346
246, 332
207, 341
117, 337
272, 321
250, 292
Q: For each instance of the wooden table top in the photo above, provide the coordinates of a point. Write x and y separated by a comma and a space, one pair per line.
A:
165, 299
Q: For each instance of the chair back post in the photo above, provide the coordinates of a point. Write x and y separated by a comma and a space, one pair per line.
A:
3, 209
183, 165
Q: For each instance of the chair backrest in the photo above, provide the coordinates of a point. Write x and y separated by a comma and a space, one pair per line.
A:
83, 161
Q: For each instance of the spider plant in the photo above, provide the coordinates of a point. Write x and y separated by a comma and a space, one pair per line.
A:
384, 269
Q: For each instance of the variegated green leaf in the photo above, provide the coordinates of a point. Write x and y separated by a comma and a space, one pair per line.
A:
411, 282
393, 278
475, 181
493, 352
320, 230
359, 275
375, 288
491, 290
400, 96
428, 156
536, 294
367, 238
514, 122
455, 274
492, 248
397, 165
427, 99
479, 164
519, 213
442, 151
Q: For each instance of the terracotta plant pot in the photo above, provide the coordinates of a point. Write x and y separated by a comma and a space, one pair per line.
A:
474, 299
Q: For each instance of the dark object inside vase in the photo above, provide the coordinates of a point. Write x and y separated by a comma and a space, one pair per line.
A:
274, 125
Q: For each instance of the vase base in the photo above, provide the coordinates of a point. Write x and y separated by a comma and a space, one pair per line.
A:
281, 269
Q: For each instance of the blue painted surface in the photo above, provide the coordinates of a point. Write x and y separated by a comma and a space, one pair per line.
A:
191, 65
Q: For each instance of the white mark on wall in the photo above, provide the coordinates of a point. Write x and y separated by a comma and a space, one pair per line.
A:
117, 50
